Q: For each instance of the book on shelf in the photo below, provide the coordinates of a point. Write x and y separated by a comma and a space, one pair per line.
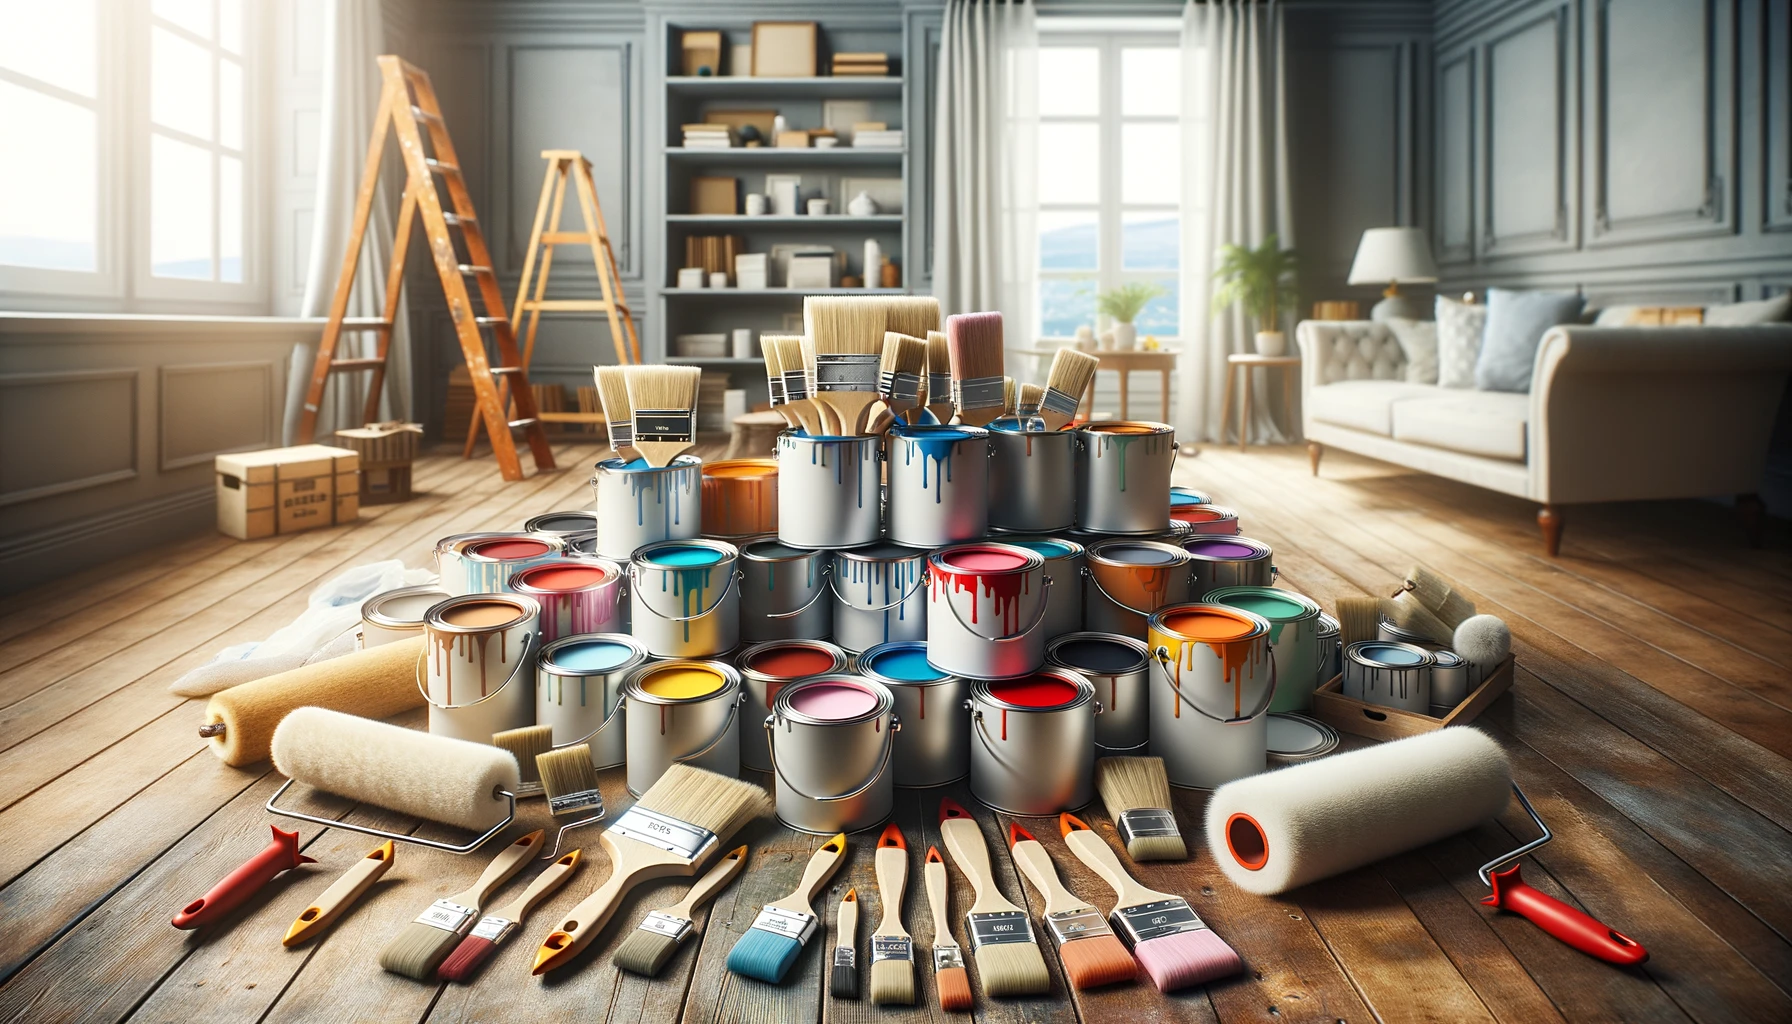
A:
711, 252
873, 64
889, 138
710, 136
709, 346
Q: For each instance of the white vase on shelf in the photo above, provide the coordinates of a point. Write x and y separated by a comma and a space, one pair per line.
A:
1271, 343
1126, 336
862, 205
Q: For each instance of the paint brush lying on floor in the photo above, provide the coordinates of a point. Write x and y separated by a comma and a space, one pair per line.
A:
1091, 955
1008, 959
767, 949
662, 931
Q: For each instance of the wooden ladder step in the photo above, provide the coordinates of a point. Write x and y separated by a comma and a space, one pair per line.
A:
519, 424
441, 168
487, 321
349, 365
365, 323
473, 269
569, 305
565, 238
505, 371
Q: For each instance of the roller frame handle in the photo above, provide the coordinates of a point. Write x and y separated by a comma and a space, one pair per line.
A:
933, 879
891, 865
1036, 865
281, 854
545, 884
1563, 922
969, 852
501, 869
1093, 851
712, 882
342, 894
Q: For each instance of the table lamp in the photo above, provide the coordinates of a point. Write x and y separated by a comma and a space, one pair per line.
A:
1394, 256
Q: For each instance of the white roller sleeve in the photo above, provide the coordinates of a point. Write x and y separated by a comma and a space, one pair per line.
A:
1280, 830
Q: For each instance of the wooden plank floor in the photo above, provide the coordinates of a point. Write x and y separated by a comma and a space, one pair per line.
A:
1651, 723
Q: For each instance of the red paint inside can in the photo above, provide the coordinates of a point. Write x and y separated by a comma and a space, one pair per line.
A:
502, 550
565, 577
791, 662
1034, 691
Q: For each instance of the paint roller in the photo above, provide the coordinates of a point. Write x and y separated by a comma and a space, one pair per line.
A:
455, 782
1280, 830
375, 683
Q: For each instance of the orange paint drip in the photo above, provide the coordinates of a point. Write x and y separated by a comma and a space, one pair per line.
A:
1234, 639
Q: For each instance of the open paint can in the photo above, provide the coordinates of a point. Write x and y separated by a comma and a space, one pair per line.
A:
765, 670
1216, 562
740, 498
578, 692
1027, 471
474, 648
1395, 634
939, 484
785, 591
483, 563
1296, 738
1120, 669
1331, 650
1293, 638
1209, 519
935, 745
1188, 496
1033, 745
1123, 476
1393, 675
684, 599
577, 595
397, 614
577, 528
832, 741
1450, 682
1214, 680
638, 504
685, 712
879, 596
1064, 560
1127, 580
985, 604
829, 491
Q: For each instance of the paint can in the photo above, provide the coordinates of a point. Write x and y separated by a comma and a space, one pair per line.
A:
1064, 561
829, 491
740, 498
785, 592
1210, 700
1123, 476
1395, 634
683, 598
1206, 519
934, 747
397, 614
1180, 496
985, 604
1450, 683
1127, 580
578, 691
1217, 562
1296, 738
765, 669
577, 595
1331, 650
576, 527
1027, 471
638, 504
878, 595
1388, 673
1033, 745
1120, 668
483, 563
682, 711
1293, 638
939, 484
474, 648
832, 741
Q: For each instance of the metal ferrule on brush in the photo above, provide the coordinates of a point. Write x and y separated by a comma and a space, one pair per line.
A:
1086, 923
493, 928
977, 393
900, 388
939, 387
1060, 402
672, 927
665, 424
1149, 921
796, 385
998, 928
1147, 823
774, 386
844, 371
892, 947
447, 915
622, 433
792, 924
576, 803
947, 957
664, 833
846, 956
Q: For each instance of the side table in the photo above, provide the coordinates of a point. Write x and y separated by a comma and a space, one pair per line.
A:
1238, 367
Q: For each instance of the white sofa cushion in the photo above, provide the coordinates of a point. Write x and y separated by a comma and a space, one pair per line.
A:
1490, 423
1459, 330
1363, 404
1418, 340
1358, 350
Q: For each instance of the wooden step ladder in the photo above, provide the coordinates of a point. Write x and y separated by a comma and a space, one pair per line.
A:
406, 100
564, 166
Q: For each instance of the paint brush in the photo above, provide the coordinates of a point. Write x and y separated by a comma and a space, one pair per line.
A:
949, 974
662, 931
1438, 594
892, 951
1072, 371
494, 928
844, 339
570, 784
783, 927
1358, 619
913, 315
664, 399
974, 343
1136, 792
1026, 401
418, 950
1010, 396
674, 827
1008, 959
612, 391
525, 744
844, 982
1167, 937
342, 894
899, 378
1091, 955
799, 382
939, 377
774, 382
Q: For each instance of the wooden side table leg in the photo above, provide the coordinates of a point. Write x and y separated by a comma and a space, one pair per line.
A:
1288, 401
1244, 411
1164, 395
1226, 405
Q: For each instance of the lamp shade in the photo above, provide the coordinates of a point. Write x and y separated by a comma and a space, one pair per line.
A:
1393, 254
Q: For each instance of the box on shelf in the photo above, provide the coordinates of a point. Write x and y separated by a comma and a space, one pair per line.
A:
1384, 723
706, 346
702, 51
286, 490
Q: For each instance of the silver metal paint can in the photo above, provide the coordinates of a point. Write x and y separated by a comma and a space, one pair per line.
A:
985, 605
939, 484
1217, 562
685, 598
396, 615
1126, 580
638, 504
1212, 682
829, 492
1296, 738
832, 741
577, 527
934, 747
784, 592
1331, 650
475, 646
1027, 471
1207, 519
1064, 560
1033, 742
578, 692
879, 595
483, 563
1395, 634
1120, 669
765, 670
1450, 683
1293, 637
577, 595
681, 711
1123, 476
1391, 674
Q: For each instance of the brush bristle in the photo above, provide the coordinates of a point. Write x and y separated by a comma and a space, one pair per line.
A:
974, 345
644, 952
1013, 969
893, 983
789, 348
1406, 612
913, 315
845, 324
939, 354
1187, 959
1130, 783
417, 950
1358, 618
663, 387
704, 799
612, 391
1439, 595
845, 982
566, 772
1097, 961
955, 989
467, 958
1010, 395
1026, 402
1143, 848
760, 954
525, 745
1071, 372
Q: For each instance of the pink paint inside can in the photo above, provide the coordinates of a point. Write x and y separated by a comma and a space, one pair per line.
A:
983, 560
832, 701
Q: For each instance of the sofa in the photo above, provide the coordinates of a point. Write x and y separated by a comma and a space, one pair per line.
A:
1613, 414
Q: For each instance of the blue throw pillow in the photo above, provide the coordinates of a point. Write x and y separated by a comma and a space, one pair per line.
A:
1516, 323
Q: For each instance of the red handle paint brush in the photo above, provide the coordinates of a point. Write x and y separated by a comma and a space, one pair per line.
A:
281, 854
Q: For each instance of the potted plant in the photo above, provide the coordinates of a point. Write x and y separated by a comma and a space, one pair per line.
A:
1262, 281
1123, 305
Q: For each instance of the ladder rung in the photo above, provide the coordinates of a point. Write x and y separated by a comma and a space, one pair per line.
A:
355, 364
423, 115
529, 422
565, 238
569, 305
487, 321
459, 219
470, 269
500, 371
439, 167
365, 323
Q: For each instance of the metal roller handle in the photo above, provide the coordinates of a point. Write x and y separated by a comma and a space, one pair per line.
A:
1089, 574
726, 586
525, 658
727, 727
912, 591
396, 836
819, 593
615, 713
1491, 866
1161, 656
1016, 638
883, 765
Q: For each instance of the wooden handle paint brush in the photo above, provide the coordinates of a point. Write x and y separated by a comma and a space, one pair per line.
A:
281, 854
844, 341
418, 950
662, 931
664, 400
768, 949
974, 344
949, 973
1008, 959
1091, 955
900, 373
342, 894
612, 393
844, 982
1064, 387
495, 927
799, 382
774, 382
892, 951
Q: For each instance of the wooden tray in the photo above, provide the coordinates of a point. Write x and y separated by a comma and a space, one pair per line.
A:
1384, 723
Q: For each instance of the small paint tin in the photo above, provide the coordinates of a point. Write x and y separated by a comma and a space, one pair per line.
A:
939, 485
765, 669
740, 498
1450, 683
1394, 634
1391, 674
474, 648
683, 598
578, 691
1206, 519
1064, 561
577, 595
1210, 700
1123, 476
576, 527
785, 592
1296, 738
1033, 745
638, 504
1217, 562
1127, 580
1120, 668
1331, 650
1180, 496
934, 747
397, 614
832, 741
1293, 638
985, 604
683, 711
483, 563
829, 492
879, 595
1027, 471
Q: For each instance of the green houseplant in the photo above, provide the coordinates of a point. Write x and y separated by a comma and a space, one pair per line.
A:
1123, 305
1261, 280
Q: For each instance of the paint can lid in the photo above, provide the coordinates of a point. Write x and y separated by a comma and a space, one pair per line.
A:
1273, 603
1097, 654
791, 659
684, 554
985, 558
1225, 549
565, 576
900, 663
1299, 738
403, 607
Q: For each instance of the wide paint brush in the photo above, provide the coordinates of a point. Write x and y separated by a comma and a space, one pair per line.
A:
1008, 959
419, 949
799, 382
900, 375
892, 951
974, 343
494, 928
341, 895
1091, 955
768, 949
949, 974
525, 744
1136, 792
662, 931
1064, 388
844, 342
612, 392
939, 377
664, 399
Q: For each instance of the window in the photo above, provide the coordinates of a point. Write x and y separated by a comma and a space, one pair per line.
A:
196, 140
49, 108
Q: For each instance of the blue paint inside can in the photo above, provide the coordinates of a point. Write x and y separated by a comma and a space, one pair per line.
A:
906, 663
683, 556
1391, 655
1044, 547
593, 657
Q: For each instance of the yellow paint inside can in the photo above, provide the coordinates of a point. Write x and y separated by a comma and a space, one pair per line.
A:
682, 683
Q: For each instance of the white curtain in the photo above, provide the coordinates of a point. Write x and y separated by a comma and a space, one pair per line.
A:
1237, 161
985, 160
351, 94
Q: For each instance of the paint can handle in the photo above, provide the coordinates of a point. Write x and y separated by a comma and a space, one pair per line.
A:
722, 734
1044, 603
1089, 575
526, 658
826, 570
920, 582
615, 713
1161, 657
882, 766
726, 586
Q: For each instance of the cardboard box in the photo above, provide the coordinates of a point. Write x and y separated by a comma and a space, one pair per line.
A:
285, 490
